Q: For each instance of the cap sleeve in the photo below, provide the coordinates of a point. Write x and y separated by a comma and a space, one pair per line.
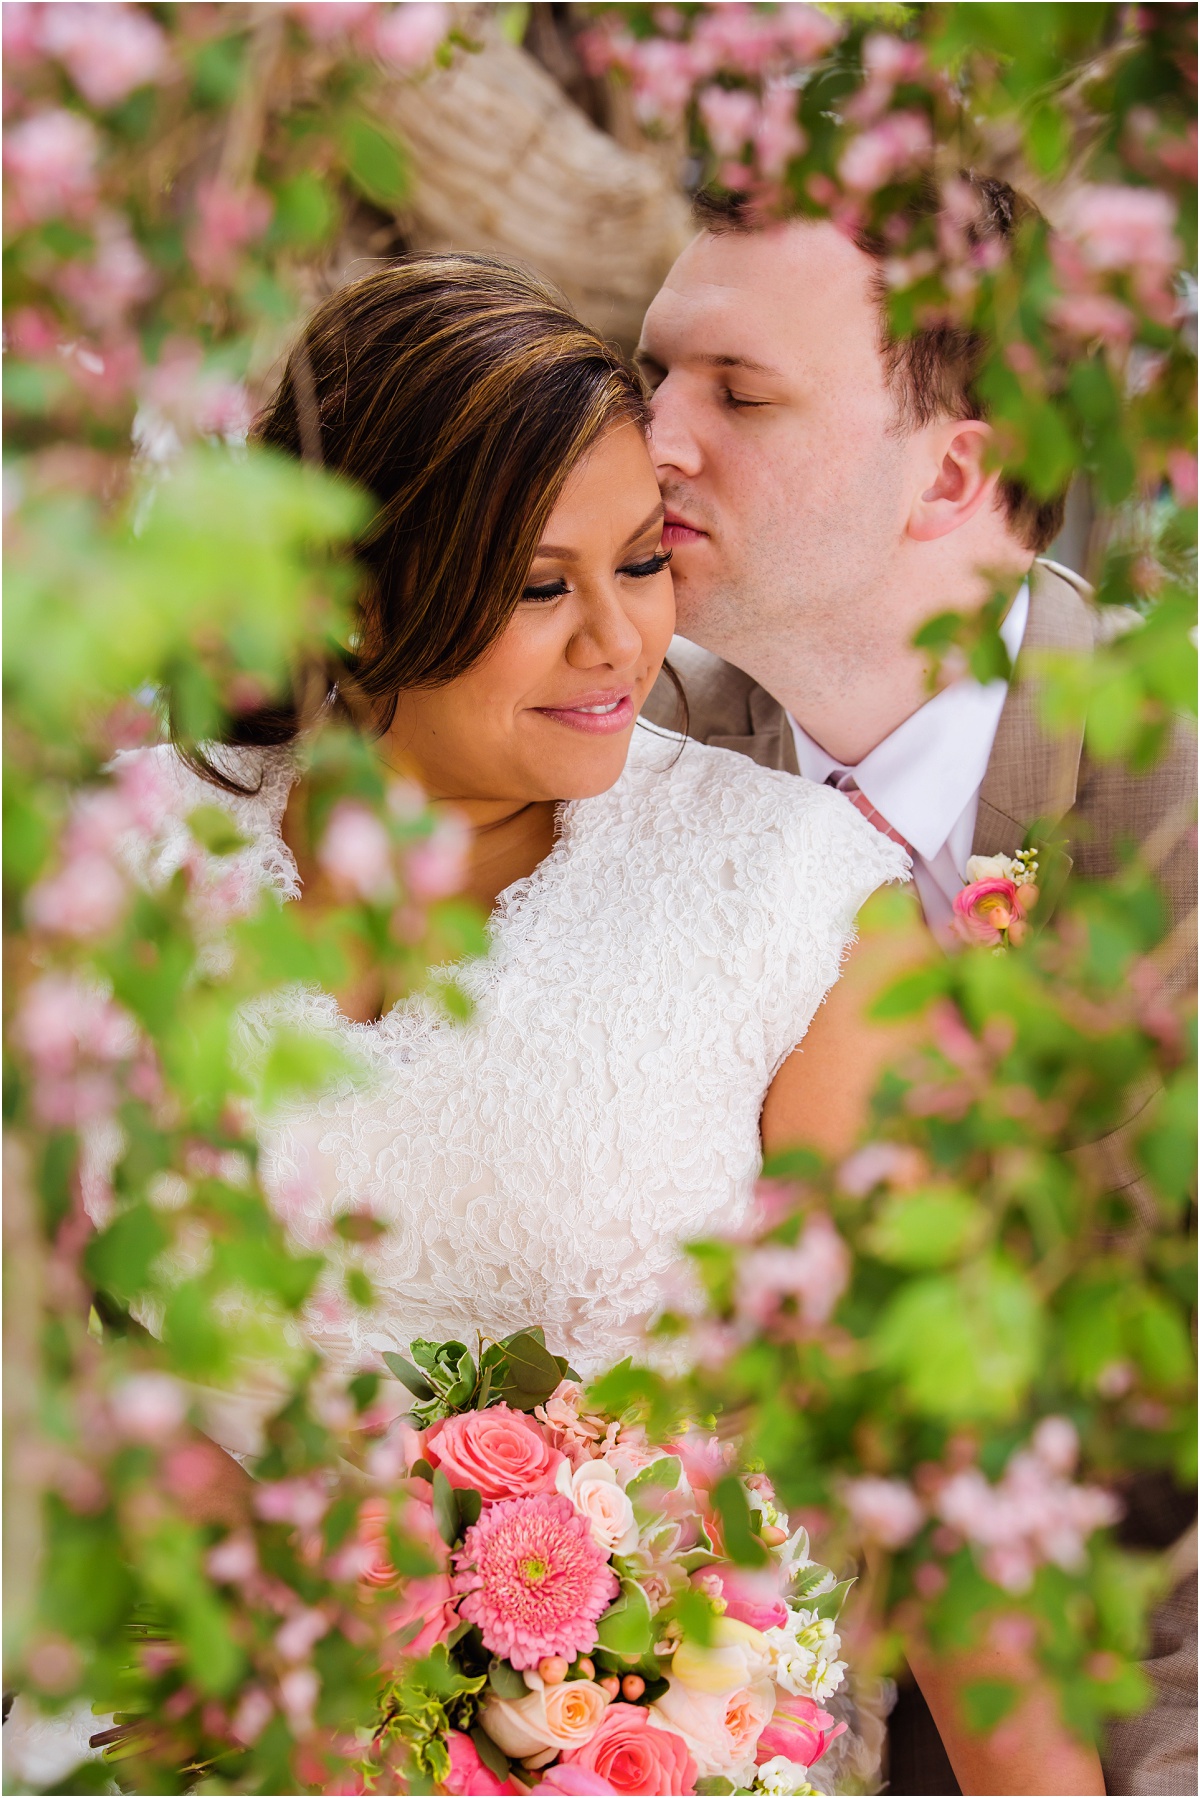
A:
833, 860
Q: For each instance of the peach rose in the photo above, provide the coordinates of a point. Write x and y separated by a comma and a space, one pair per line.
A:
595, 1492
550, 1717
500, 1452
721, 1729
635, 1755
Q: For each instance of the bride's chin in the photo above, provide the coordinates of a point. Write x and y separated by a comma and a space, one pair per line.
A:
591, 769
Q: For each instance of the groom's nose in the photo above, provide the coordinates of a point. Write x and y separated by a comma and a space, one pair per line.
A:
674, 441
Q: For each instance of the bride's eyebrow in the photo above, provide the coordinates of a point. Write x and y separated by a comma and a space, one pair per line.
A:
572, 555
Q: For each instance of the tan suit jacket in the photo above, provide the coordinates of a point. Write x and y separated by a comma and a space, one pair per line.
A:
1041, 787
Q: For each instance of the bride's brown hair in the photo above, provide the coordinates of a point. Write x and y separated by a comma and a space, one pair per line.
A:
460, 392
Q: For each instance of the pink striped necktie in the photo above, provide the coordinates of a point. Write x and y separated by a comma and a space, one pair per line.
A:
846, 783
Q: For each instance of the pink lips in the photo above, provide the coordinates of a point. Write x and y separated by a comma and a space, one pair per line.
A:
677, 530
596, 714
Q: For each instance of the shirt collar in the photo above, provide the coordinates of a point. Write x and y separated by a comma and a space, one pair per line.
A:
923, 776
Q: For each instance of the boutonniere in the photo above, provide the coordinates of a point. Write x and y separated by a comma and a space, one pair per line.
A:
995, 903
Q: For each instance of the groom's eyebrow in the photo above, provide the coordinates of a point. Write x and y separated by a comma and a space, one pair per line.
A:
747, 362
571, 555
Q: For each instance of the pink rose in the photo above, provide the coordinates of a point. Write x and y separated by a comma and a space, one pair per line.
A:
800, 1729
571, 1782
468, 1777
634, 1755
500, 1452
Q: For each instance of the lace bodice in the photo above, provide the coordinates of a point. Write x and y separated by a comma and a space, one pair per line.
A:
541, 1163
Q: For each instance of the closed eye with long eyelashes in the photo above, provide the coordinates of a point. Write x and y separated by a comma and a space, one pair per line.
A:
638, 571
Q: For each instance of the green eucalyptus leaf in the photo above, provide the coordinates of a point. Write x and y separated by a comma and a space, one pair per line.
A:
445, 1509
408, 1375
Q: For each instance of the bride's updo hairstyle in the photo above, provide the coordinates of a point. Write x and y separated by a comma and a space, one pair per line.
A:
460, 392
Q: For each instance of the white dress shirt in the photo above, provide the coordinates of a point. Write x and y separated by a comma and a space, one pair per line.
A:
925, 778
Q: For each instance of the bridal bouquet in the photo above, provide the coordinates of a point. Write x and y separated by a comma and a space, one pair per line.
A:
599, 1614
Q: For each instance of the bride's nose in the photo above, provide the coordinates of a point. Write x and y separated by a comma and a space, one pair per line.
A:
606, 635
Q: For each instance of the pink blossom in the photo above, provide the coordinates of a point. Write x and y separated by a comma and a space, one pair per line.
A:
729, 116
327, 20
886, 1511
777, 135
1120, 227
296, 1639
86, 899
299, 1689
252, 1715
468, 1777
813, 1275
51, 160
302, 1502
115, 278
22, 27
407, 37
232, 1560
533, 1579
228, 219
1087, 316
63, 1025
807, 31
148, 1407
1055, 1442
663, 74
1181, 470
1031, 1515
356, 852
991, 911
881, 1163
437, 866
108, 50
894, 148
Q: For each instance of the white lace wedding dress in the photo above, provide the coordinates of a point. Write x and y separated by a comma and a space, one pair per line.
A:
541, 1163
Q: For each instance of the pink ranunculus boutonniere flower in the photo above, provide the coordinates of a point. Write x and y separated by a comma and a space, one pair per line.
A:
994, 906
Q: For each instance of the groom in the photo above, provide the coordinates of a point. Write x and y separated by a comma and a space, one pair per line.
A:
828, 490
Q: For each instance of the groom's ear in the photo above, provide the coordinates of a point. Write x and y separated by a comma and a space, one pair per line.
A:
959, 477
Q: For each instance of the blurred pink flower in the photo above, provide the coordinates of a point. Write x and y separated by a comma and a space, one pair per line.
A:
148, 1407
1088, 316
108, 50
408, 36
881, 1163
301, 1501
886, 1511
297, 1637
571, 1782
63, 1025
777, 135
299, 1689
233, 1560
437, 866
750, 1596
50, 159
729, 115
228, 219
807, 32
114, 279
1120, 227
814, 1274
327, 20
356, 853
1181, 470
252, 1715
1055, 1442
894, 148
86, 899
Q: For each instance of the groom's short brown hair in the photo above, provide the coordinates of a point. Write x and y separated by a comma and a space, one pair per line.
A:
933, 372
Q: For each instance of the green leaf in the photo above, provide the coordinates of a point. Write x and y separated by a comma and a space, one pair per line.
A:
530, 1372
988, 1702
829, 1604
912, 993
695, 1615
493, 1757
714, 1783
964, 1347
215, 830
408, 1376
627, 1627
505, 1681
926, 1229
661, 1476
445, 1508
470, 1504
120, 1260
742, 1545
375, 162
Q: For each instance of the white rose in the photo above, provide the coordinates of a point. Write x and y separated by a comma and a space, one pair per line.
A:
595, 1492
720, 1729
551, 1717
991, 867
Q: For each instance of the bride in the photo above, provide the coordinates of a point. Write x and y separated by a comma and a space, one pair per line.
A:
668, 922
666, 919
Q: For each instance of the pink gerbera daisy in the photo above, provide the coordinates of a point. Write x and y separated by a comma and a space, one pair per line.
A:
535, 1579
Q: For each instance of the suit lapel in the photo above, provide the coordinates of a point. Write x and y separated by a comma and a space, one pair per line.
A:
770, 742
1032, 776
